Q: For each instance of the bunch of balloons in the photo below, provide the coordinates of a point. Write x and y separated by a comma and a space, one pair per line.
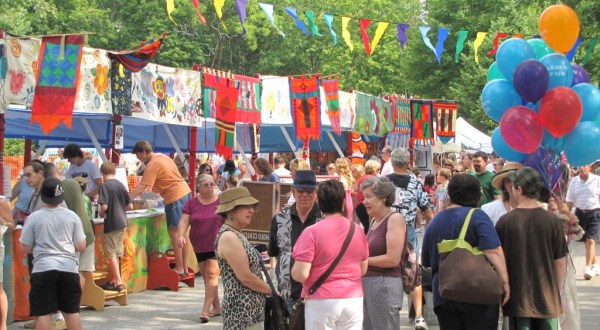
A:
539, 98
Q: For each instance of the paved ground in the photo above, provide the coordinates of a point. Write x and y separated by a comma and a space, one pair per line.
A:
180, 310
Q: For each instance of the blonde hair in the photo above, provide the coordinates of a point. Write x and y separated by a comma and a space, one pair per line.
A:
343, 170
372, 167
332, 167
445, 173
359, 168
298, 164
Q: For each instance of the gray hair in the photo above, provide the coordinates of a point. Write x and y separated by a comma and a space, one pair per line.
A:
388, 148
382, 187
203, 177
400, 157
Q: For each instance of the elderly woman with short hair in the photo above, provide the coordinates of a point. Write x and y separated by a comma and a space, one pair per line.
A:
386, 236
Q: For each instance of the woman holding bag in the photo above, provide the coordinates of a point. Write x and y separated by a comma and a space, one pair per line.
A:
332, 252
464, 193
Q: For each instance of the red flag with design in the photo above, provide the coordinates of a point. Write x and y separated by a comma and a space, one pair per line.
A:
226, 102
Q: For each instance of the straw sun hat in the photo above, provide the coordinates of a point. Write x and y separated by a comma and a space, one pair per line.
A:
503, 173
233, 197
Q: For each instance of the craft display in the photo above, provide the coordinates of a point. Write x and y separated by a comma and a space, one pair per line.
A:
226, 102
19, 82
275, 99
422, 123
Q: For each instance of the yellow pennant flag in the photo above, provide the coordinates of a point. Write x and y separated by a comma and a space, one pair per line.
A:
170, 8
381, 27
478, 41
346, 33
219, 9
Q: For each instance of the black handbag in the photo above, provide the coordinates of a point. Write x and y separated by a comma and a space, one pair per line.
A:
276, 312
297, 315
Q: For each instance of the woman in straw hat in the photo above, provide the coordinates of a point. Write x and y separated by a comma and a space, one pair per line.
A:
501, 181
244, 295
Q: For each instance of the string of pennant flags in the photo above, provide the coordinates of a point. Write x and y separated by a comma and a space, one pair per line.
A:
364, 23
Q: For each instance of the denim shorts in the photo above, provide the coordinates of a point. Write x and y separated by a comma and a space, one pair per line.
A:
174, 211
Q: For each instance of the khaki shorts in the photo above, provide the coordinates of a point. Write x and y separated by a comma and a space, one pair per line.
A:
113, 243
87, 259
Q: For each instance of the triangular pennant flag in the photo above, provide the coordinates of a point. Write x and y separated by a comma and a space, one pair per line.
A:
402, 38
329, 21
310, 16
196, 4
424, 30
219, 9
268, 10
240, 7
591, 47
346, 33
381, 27
292, 12
571, 53
499, 35
460, 43
170, 8
364, 24
477, 43
439, 48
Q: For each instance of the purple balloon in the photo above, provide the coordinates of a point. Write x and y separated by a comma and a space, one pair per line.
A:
580, 76
531, 80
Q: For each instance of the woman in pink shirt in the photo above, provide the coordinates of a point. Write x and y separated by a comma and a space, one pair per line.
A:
337, 303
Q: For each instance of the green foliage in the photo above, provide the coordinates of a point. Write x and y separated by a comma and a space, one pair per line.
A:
14, 147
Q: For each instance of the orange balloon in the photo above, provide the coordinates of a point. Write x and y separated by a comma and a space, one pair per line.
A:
559, 27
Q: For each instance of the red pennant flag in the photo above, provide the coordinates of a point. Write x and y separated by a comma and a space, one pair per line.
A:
57, 81
196, 4
364, 24
499, 36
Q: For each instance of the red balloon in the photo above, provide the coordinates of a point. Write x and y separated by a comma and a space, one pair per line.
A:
560, 111
522, 129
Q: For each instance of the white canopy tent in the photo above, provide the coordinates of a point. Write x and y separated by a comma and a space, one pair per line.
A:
472, 138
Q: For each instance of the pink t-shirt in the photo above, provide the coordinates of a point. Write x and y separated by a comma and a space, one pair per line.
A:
204, 223
319, 244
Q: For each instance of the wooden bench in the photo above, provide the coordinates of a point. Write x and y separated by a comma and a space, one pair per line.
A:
94, 296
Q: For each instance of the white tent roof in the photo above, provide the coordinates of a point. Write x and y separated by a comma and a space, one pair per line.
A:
472, 138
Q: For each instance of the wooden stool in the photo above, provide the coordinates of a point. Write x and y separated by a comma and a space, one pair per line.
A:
161, 273
94, 296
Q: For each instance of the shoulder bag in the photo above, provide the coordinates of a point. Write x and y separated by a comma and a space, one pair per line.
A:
276, 312
297, 315
409, 266
465, 273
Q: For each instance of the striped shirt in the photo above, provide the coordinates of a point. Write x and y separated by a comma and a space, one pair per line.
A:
585, 195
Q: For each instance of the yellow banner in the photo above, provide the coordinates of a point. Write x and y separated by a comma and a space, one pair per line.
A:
477, 44
381, 27
346, 33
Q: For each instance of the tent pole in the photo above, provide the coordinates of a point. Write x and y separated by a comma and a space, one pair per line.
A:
115, 156
192, 163
335, 144
97, 145
174, 143
27, 156
41, 149
288, 138
245, 158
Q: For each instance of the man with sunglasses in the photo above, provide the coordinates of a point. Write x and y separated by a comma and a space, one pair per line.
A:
287, 226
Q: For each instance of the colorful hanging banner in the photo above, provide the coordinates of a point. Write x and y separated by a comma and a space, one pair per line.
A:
445, 114
240, 7
310, 16
120, 88
364, 25
399, 137
460, 43
196, 5
22, 56
424, 30
401, 30
293, 13
268, 10
331, 89
248, 100
366, 117
209, 90
346, 33
304, 96
136, 60
439, 47
477, 43
422, 123
591, 47
94, 91
219, 9
347, 109
57, 81
381, 27
170, 8
227, 95
275, 100
329, 21
499, 35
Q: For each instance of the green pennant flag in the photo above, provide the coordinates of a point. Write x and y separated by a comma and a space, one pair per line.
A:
593, 43
460, 43
311, 22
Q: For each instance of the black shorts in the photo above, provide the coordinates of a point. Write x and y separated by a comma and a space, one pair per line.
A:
53, 291
591, 225
203, 256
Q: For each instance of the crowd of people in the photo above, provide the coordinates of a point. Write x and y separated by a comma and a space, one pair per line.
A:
386, 200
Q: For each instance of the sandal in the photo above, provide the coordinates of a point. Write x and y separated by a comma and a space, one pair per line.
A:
204, 319
213, 314
120, 287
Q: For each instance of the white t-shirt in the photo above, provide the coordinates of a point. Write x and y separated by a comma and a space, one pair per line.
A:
88, 170
585, 195
387, 168
53, 233
494, 210
282, 172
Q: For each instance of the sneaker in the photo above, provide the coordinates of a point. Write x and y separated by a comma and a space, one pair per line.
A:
59, 325
420, 324
589, 272
29, 325
596, 269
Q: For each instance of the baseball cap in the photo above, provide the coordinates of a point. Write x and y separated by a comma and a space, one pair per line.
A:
528, 179
52, 191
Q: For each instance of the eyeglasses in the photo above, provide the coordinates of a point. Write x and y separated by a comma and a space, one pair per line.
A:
208, 185
308, 191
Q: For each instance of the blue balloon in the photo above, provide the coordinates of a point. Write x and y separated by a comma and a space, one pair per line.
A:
581, 145
503, 149
511, 53
560, 70
580, 76
590, 101
551, 143
497, 96
531, 80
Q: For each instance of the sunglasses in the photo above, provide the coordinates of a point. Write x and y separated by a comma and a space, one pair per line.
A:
309, 191
456, 171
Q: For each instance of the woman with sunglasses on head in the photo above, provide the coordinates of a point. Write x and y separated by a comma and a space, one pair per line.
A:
199, 214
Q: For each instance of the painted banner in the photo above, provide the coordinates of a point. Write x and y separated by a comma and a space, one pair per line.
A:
304, 95
94, 91
331, 89
275, 100
167, 95
373, 115
347, 108
445, 114
227, 96
399, 137
121, 88
422, 123
21, 63
248, 100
